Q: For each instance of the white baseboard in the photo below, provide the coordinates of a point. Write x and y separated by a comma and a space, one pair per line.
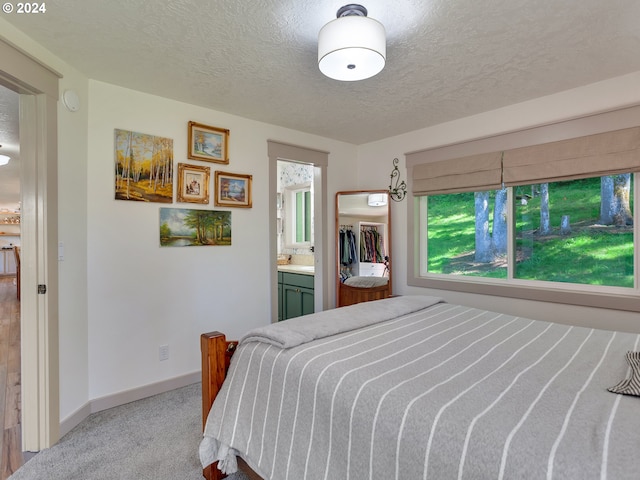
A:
68, 423
126, 396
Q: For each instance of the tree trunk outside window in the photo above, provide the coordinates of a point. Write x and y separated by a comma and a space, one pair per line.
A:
545, 225
484, 246
499, 234
614, 200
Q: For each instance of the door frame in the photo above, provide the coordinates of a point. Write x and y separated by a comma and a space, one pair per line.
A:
37, 85
320, 161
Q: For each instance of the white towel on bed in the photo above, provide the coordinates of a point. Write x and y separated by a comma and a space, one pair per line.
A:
299, 330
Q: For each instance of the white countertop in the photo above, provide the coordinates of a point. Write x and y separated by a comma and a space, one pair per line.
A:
303, 269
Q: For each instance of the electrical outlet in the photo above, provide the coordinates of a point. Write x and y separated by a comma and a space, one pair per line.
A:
164, 352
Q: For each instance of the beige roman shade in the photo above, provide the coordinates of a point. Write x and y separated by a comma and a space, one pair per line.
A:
596, 155
466, 174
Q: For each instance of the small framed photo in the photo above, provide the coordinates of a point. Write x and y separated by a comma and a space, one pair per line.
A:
208, 144
193, 183
232, 190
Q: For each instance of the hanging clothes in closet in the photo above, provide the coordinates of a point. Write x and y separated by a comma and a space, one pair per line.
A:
371, 245
348, 253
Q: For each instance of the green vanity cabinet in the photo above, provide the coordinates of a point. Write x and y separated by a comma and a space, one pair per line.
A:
295, 294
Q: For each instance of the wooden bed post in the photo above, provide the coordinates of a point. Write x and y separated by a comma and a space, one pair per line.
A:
216, 356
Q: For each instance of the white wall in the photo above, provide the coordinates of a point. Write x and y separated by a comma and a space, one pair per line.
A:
375, 165
72, 233
142, 296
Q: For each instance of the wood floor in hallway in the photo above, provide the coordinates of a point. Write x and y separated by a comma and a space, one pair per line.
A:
10, 416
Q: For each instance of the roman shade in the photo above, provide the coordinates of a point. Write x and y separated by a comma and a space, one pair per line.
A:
608, 153
466, 174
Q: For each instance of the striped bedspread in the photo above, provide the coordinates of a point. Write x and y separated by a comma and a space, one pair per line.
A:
444, 392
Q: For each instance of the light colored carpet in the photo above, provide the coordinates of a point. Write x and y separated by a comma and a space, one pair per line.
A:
154, 438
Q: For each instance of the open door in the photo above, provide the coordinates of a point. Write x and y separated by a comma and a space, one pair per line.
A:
38, 89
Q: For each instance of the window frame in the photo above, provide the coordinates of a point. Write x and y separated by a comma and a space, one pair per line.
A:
616, 298
290, 227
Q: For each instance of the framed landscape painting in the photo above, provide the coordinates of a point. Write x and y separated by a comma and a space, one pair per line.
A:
209, 144
143, 167
193, 183
185, 227
232, 190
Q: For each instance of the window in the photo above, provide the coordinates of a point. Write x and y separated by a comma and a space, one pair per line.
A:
579, 231
565, 208
299, 208
303, 216
459, 234
573, 232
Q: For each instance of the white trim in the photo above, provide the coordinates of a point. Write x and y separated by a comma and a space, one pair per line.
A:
29, 328
74, 419
320, 232
126, 396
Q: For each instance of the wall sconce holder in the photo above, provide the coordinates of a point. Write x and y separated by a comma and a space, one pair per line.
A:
398, 191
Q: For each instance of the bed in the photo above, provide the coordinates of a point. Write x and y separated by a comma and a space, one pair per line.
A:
413, 387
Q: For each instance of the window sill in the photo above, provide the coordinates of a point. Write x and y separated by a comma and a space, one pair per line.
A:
615, 301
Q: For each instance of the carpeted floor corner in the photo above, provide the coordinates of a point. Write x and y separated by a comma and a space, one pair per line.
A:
155, 438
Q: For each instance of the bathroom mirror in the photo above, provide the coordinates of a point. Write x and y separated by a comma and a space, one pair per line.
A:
363, 246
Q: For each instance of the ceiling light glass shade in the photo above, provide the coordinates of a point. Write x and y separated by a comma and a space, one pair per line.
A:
4, 159
352, 48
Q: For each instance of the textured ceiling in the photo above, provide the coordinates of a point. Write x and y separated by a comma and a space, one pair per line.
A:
446, 59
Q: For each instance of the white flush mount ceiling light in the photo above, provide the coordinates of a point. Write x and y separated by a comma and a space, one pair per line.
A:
353, 46
377, 200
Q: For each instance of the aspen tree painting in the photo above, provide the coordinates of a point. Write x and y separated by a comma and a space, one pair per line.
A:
144, 167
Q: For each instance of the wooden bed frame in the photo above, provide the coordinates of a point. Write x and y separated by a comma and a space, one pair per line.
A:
216, 355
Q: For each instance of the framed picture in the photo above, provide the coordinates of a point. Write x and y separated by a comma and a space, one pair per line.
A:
209, 144
193, 183
232, 190
140, 160
184, 227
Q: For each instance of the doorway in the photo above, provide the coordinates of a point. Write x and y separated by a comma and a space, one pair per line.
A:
37, 86
295, 239
318, 160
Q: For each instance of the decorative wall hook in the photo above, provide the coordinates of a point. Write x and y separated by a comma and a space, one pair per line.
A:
398, 191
